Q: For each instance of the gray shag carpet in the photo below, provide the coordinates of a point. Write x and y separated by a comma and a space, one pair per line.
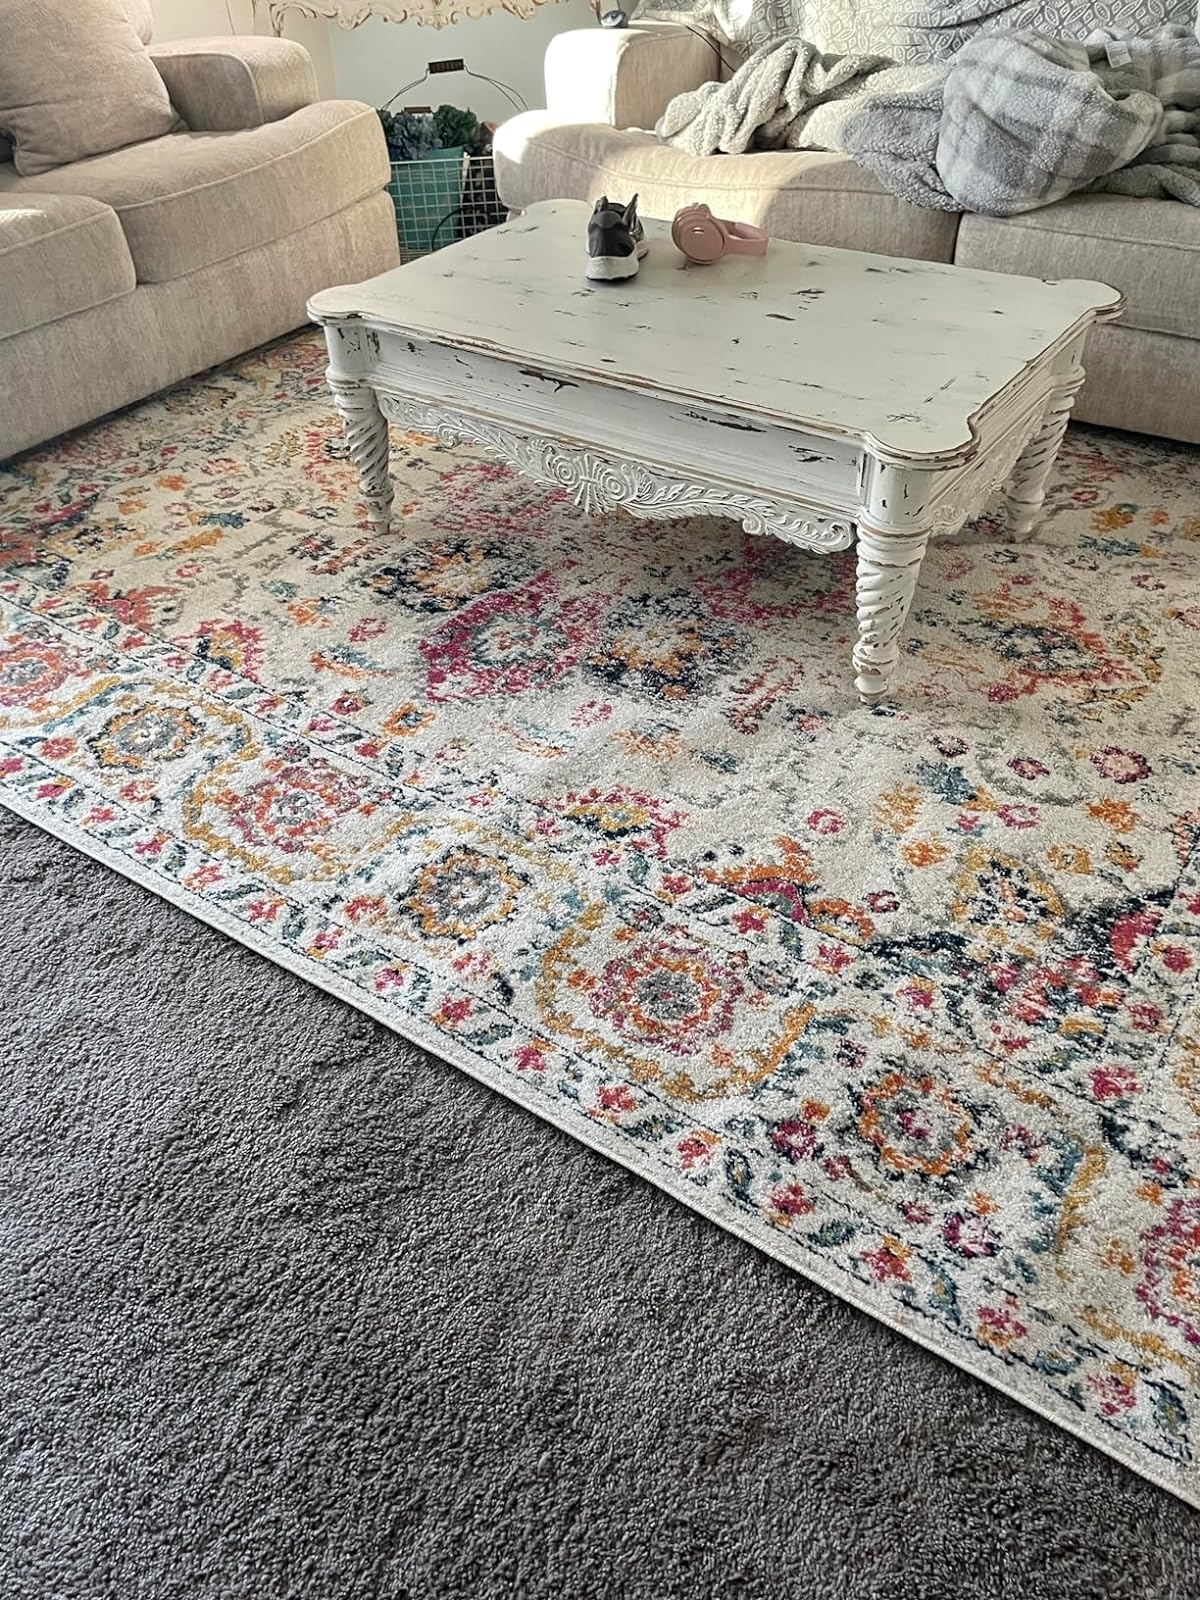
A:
292, 1309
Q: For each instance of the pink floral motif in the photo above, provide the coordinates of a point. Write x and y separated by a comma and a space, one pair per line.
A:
202, 877
797, 1138
1169, 1285
509, 642
1114, 1082
531, 1057
366, 908
888, 1261
613, 1101
882, 901
1115, 1392
452, 1012
917, 996
1145, 1017
590, 714
750, 921
1029, 767
999, 1327
1175, 958
696, 1149
389, 978
294, 804
1018, 816
789, 1201
1121, 766
367, 628
969, 1236
674, 996
30, 671
833, 957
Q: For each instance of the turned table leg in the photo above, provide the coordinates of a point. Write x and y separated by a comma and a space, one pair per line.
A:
1026, 490
888, 566
367, 441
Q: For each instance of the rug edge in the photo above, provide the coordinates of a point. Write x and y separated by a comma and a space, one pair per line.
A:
592, 1137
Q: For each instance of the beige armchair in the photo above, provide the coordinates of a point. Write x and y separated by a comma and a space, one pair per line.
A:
133, 269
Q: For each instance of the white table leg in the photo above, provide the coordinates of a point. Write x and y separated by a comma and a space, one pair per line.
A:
367, 441
888, 567
1026, 490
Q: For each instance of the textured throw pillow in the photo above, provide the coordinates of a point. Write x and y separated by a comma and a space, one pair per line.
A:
909, 30
75, 80
140, 14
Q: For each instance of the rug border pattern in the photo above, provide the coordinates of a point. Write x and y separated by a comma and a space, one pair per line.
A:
598, 1137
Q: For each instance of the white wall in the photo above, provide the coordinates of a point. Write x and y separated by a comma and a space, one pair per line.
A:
187, 19
371, 62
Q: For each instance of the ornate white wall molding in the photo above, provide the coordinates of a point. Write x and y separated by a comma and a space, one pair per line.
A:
430, 13
602, 483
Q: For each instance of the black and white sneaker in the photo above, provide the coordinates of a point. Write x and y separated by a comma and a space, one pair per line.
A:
616, 241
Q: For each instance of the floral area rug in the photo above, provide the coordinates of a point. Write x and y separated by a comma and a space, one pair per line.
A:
906, 996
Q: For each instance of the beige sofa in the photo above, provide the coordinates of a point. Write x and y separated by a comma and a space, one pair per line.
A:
603, 89
130, 270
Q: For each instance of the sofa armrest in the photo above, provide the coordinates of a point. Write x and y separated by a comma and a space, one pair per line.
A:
217, 85
626, 76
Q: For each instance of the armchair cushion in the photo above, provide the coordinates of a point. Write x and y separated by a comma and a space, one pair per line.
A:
75, 80
142, 18
59, 253
625, 76
217, 85
192, 199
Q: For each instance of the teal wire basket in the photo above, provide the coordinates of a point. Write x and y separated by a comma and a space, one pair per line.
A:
427, 195
442, 197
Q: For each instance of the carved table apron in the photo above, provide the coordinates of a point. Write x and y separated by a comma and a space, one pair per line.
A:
616, 447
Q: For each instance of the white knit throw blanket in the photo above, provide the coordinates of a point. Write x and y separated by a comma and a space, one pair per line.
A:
1014, 122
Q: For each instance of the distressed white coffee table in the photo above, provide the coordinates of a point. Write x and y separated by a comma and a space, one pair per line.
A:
820, 396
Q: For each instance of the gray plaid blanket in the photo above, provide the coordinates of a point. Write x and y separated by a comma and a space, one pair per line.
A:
1014, 122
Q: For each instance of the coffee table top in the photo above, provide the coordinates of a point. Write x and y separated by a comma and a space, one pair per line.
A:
899, 354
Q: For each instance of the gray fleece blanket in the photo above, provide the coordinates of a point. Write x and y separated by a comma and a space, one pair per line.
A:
1015, 121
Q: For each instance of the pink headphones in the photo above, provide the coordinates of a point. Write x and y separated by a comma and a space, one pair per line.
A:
704, 238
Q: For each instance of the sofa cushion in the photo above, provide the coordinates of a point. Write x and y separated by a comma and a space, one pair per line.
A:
59, 253
190, 199
1149, 249
142, 18
75, 79
219, 85
812, 196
